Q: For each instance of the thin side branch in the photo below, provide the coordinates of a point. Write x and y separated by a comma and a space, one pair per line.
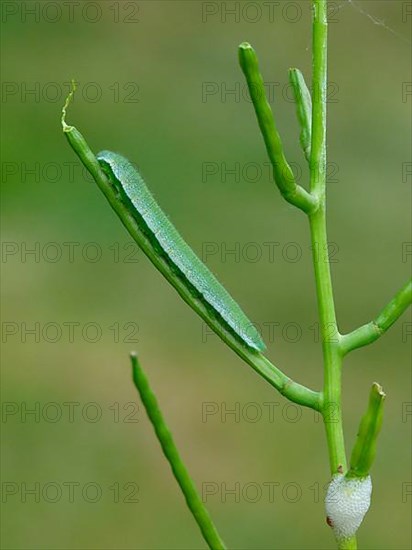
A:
370, 332
193, 500
282, 172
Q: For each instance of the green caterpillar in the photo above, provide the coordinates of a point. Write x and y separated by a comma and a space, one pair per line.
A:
159, 233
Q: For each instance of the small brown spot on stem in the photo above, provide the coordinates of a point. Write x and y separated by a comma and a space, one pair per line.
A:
329, 521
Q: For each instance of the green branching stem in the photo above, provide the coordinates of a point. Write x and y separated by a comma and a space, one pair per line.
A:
330, 338
282, 172
292, 390
331, 407
312, 120
366, 334
193, 500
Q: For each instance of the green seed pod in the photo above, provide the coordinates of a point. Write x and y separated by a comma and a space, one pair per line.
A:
303, 102
364, 451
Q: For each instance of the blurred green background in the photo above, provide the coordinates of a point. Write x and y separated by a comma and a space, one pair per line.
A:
154, 81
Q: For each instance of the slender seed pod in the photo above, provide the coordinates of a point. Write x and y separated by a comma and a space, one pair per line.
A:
303, 102
364, 450
282, 172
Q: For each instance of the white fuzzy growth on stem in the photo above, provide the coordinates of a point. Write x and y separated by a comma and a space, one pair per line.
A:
346, 502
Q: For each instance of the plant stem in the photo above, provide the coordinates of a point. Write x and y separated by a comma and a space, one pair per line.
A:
331, 406
330, 338
366, 334
319, 88
170, 451
332, 356
348, 544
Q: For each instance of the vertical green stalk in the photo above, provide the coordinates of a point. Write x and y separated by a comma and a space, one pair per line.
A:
332, 356
331, 403
330, 341
319, 88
